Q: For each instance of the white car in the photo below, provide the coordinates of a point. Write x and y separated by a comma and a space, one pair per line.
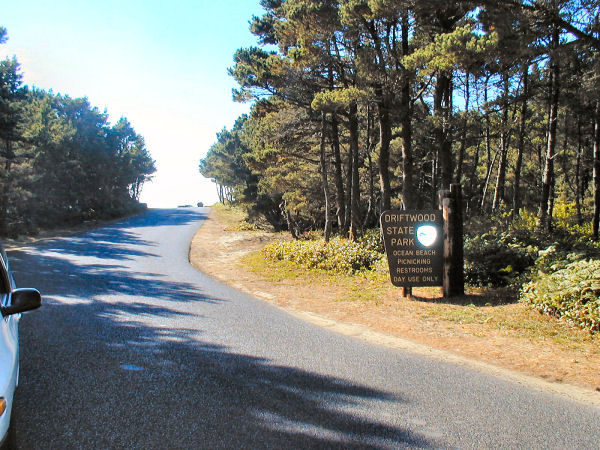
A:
14, 302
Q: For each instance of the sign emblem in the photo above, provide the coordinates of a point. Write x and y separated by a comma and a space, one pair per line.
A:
427, 235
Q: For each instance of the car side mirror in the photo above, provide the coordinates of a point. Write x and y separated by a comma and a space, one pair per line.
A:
24, 299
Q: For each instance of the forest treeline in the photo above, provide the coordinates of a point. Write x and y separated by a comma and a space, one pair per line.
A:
363, 105
61, 161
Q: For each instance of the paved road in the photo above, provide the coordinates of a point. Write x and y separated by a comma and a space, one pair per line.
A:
135, 349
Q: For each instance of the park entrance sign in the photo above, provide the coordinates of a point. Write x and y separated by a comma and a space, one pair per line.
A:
414, 247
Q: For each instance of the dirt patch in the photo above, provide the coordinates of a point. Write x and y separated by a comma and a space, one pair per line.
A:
487, 334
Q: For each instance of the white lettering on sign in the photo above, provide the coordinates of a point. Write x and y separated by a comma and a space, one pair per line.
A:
430, 279
400, 230
402, 217
413, 261
414, 270
403, 241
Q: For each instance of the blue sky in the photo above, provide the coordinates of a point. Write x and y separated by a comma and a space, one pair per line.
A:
163, 65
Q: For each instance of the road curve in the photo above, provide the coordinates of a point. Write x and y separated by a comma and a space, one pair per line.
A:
133, 348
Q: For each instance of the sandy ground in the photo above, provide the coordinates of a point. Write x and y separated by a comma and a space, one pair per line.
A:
566, 368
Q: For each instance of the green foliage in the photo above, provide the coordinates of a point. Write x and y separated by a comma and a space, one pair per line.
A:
62, 162
496, 259
338, 100
565, 279
337, 255
560, 270
225, 163
372, 240
82, 168
500, 250
450, 50
571, 292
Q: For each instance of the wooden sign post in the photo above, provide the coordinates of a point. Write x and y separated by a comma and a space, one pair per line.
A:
454, 278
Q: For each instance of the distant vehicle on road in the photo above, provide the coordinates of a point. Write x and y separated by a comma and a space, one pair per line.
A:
200, 204
14, 302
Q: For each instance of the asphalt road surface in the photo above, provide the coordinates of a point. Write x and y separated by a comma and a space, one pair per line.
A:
133, 348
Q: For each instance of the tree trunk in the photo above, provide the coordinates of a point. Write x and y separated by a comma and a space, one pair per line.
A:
501, 178
487, 181
545, 213
596, 218
442, 111
5, 189
385, 137
338, 174
473, 182
521, 145
578, 184
371, 205
289, 220
355, 190
323, 169
488, 143
408, 186
463, 139
348, 206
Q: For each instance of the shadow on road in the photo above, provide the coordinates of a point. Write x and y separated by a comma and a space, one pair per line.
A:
90, 381
57, 276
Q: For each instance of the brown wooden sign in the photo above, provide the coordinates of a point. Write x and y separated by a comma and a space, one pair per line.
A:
414, 246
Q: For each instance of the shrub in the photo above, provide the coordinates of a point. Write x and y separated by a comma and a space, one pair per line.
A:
372, 240
496, 259
571, 292
499, 250
338, 255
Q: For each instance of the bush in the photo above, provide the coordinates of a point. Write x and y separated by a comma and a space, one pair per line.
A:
496, 259
571, 292
372, 240
338, 255
499, 251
